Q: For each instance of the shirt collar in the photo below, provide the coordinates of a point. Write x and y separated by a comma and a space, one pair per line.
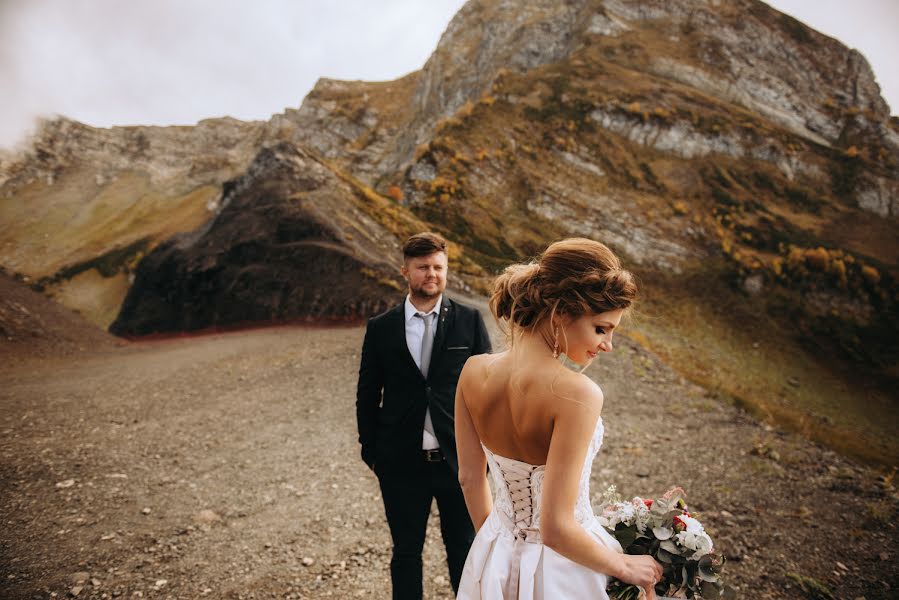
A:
410, 309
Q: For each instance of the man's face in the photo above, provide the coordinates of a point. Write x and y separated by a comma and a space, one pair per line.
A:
426, 275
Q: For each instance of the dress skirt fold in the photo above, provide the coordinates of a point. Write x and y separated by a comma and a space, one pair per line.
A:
503, 566
508, 560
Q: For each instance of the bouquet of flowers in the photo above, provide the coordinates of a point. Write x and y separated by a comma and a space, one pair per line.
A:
665, 529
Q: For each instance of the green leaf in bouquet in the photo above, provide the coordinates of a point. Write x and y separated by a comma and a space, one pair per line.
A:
623, 591
687, 553
669, 546
664, 557
710, 566
662, 533
625, 534
669, 573
651, 544
709, 591
636, 549
659, 508
707, 576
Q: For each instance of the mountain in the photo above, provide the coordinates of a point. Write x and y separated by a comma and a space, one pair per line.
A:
32, 325
743, 164
81, 206
291, 239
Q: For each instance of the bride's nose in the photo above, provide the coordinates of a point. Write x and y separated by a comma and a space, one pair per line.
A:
606, 346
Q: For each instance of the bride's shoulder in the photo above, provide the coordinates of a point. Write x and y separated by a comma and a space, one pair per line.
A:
586, 393
476, 365
476, 361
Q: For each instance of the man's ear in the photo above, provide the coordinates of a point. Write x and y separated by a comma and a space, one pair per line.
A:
404, 271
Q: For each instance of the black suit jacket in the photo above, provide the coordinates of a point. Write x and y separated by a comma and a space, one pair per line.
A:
392, 395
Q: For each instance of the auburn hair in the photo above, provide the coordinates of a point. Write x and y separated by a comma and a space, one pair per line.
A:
572, 277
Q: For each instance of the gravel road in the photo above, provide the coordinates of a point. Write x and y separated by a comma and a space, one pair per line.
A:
226, 466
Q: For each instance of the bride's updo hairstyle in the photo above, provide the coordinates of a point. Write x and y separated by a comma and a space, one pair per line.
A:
572, 277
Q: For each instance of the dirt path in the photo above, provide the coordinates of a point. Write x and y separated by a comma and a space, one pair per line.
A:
226, 466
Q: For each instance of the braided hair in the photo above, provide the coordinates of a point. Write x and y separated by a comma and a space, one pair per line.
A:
572, 277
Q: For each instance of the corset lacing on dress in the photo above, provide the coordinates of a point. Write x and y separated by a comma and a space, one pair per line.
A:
517, 476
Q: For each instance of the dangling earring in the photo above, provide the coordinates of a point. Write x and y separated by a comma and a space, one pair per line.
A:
556, 343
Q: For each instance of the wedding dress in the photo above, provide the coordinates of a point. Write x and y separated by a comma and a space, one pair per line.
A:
508, 559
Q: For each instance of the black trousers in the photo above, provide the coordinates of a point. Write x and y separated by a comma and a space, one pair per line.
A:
408, 491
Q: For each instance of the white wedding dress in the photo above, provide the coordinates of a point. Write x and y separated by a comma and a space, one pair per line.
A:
508, 559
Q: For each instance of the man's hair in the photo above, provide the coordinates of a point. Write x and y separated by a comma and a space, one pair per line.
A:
423, 244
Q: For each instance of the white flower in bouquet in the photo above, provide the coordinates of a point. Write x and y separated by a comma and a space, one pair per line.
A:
635, 513
641, 514
693, 537
620, 512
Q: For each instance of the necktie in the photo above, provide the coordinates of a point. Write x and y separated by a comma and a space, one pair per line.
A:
427, 344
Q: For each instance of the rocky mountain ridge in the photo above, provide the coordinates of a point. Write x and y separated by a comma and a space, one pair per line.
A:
203, 153
749, 55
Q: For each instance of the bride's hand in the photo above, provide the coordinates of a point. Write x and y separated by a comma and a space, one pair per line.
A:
643, 571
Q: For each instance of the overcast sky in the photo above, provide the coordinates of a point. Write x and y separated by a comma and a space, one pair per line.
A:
124, 62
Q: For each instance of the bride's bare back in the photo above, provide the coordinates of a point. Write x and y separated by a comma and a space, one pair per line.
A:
513, 404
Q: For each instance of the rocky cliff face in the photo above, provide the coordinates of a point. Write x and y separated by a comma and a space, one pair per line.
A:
81, 206
290, 241
741, 52
678, 131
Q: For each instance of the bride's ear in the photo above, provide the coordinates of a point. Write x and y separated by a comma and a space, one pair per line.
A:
562, 323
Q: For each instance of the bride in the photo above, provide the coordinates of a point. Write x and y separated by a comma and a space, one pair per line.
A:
538, 427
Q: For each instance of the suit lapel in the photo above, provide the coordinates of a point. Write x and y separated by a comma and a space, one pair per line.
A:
398, 330
444, 324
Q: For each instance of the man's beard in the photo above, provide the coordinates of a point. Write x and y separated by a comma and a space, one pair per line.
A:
419, 292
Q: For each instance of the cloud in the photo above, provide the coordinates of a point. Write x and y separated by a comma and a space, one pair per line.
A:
109, 62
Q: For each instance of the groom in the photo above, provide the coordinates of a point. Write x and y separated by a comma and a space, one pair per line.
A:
411, 359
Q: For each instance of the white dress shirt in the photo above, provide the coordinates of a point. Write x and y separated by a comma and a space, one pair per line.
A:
415, 329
